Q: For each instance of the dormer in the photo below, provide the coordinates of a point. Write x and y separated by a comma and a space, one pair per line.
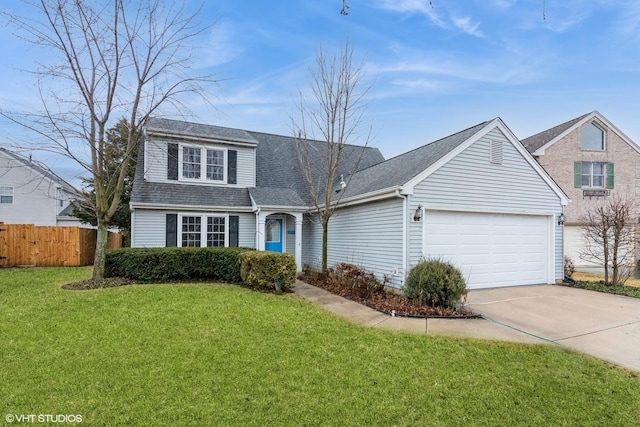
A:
198, 154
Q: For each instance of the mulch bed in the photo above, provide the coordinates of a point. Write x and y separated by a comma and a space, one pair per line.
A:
392, 303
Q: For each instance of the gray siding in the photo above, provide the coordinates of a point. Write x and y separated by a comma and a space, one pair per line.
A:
471, 182
156, 163
35, 198
289, 239
367, 235
150, 228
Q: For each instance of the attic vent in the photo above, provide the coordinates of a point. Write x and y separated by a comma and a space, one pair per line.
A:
496, 152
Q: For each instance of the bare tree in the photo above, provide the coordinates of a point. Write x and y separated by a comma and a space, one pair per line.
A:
116, 58
610, 237
332, 114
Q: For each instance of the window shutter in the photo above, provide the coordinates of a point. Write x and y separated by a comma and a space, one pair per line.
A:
234, 226
172, 161
172, 230
610, 175
232, 166
577, 174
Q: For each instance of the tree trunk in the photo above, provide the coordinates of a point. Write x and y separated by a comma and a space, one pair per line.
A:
101, 247
325, 234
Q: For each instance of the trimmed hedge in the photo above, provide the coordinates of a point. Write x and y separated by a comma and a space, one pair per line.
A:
271, 270
174, 264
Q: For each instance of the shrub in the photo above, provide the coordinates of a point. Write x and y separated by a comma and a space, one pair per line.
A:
271, 270
435, 283
171, 264
355, 280
569, 266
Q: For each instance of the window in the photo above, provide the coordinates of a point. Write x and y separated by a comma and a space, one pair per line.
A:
592, 137
200, 163
6, 195
191, 231
192, 234
593, 174
215, 231
215, 165
191, 162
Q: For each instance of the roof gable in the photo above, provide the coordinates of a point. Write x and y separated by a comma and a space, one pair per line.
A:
39, 169
404, 172
538, 143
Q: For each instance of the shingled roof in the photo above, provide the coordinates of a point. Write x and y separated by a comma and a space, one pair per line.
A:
399, 170
536, 141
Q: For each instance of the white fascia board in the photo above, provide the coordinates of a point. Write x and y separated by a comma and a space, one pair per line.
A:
164, 207
564, 199
283, 209
184, 136
594, 114
385, 193
540, 151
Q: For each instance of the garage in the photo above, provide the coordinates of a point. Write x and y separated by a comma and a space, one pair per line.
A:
491, 250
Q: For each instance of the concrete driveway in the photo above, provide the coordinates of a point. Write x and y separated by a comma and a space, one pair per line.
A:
602, 325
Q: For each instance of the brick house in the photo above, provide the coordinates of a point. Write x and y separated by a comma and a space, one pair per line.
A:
591, 159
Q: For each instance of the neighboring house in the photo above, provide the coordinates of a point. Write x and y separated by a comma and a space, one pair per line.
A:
591, 160
476, 198
30, 193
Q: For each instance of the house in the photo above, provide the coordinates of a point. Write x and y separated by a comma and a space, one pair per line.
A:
30, 193
476, 198
591, 160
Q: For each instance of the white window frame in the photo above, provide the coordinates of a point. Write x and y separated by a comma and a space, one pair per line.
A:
591, 174
203, 227
6, 191
203, 163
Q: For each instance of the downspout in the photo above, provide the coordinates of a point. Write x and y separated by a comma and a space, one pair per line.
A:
405, 248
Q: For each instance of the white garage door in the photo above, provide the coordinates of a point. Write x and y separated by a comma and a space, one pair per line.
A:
491, 250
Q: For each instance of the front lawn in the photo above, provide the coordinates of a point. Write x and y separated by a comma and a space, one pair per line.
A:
198, 354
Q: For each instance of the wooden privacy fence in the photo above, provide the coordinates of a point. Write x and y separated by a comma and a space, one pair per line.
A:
28, 244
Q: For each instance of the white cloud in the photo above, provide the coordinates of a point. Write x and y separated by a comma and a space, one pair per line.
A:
220, 47
467, 26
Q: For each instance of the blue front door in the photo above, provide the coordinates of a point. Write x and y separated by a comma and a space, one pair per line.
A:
273, 231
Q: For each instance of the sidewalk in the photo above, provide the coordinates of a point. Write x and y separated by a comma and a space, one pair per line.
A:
358, 313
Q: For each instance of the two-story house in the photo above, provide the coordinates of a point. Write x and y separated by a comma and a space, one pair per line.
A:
30, 193
476, 198
591, 159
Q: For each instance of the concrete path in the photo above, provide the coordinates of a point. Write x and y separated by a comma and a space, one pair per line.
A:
469, 328
602, 325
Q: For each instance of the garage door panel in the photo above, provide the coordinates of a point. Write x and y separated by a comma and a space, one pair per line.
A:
490, 249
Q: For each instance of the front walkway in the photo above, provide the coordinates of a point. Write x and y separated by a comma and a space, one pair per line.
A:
358, 313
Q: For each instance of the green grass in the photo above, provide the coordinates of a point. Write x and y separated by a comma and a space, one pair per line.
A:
198, 354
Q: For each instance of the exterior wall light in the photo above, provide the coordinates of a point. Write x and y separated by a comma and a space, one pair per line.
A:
561, 219
417, 216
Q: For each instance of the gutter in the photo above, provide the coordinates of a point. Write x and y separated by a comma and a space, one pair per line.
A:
156, 206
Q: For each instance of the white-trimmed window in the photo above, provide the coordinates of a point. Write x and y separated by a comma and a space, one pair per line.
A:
6, 195
197, 163
194, 234
594, 174
592, 137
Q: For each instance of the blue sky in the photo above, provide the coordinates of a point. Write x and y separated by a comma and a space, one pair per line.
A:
433, 70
